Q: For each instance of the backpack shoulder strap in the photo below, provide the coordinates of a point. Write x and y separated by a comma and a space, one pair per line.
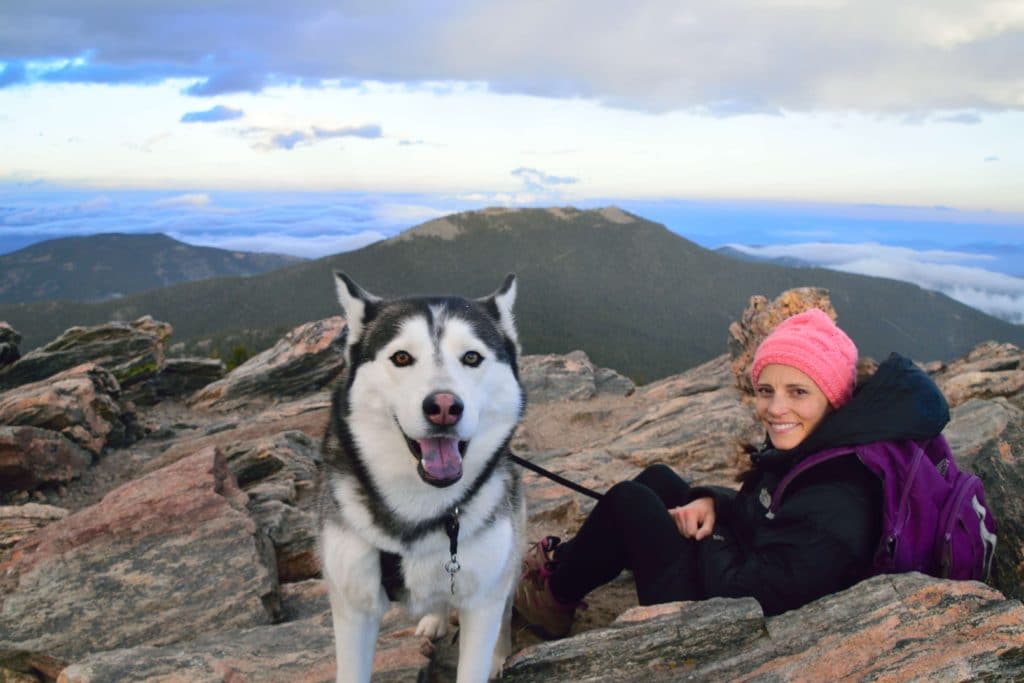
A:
894, 462
801, 467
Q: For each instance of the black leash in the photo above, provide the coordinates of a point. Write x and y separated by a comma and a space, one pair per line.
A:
556, 478
451, 527
451, 520
391, 564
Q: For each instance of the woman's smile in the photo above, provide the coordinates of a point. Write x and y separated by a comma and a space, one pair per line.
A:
789, 404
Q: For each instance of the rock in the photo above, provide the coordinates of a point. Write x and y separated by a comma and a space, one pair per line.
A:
695, 422
989, 370
898, 627
278, 489
982, 384
987, 357
32, 457
293, 534
571, 377
607, 381
307, 415
131, 351
9, 340
279, 474
164, 558
760, 318
284, 461
299, 652
81, 403
673, 640
19, 521
988, 439
9, 676
305, 360
708, 377
292, 455
146, 589
304, 600
178, 377
978, 423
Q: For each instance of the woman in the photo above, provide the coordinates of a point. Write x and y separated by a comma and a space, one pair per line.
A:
684, 543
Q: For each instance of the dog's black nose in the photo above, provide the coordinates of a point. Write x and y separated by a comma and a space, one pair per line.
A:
442, 408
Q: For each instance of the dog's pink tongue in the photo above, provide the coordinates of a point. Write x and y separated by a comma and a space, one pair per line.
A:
441, 458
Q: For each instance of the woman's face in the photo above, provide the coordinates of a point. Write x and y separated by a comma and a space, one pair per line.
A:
789, 404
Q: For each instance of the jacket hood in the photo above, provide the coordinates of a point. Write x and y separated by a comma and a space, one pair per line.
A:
900, 401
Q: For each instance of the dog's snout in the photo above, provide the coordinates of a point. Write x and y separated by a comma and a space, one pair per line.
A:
442, 408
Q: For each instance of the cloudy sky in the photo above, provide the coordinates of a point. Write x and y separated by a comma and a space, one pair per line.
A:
318, 125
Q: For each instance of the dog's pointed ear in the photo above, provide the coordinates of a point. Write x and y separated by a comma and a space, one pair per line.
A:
354, 301
500, 306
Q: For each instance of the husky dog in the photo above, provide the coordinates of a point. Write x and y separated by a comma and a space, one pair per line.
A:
418, 501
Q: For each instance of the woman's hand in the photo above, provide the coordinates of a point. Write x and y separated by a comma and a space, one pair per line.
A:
696, 519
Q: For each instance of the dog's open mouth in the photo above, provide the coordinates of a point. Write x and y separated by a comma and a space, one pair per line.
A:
440, 459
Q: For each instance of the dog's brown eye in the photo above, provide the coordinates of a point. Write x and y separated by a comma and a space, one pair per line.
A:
472, 359
402, 359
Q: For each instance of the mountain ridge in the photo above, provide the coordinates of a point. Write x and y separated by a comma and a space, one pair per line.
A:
120, 264
643, 299
740, 255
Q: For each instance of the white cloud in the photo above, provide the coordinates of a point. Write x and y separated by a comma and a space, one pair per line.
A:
289, 138
720, 58
197, 200
1006, 306
538, 181
967, 118
831, 253
152, 142
390, 213
956, 25
310, 225
509, 198
943, 271
96, 203
308, 246
213, 115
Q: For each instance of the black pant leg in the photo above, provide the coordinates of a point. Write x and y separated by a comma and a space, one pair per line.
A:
669, 486
629, 528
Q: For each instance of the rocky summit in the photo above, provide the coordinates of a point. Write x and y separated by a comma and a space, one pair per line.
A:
157, 520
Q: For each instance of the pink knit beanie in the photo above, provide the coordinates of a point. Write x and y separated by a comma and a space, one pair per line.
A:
811, 343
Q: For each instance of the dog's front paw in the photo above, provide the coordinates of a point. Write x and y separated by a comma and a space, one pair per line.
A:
433, 625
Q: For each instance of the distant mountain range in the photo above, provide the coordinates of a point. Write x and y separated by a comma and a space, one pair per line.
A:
114, 265
634, 295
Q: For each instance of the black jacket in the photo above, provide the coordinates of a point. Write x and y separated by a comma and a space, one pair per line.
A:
826, 530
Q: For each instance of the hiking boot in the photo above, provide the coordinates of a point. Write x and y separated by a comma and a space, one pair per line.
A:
534, 601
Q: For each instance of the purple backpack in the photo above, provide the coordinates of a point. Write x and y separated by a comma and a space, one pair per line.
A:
934, 517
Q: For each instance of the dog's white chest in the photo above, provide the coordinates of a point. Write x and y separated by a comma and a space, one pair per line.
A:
485, 569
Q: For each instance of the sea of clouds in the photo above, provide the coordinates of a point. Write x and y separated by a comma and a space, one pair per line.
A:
958, 274
975, 259
309, 225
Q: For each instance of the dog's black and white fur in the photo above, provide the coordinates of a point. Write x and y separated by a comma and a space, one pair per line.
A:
420, 425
